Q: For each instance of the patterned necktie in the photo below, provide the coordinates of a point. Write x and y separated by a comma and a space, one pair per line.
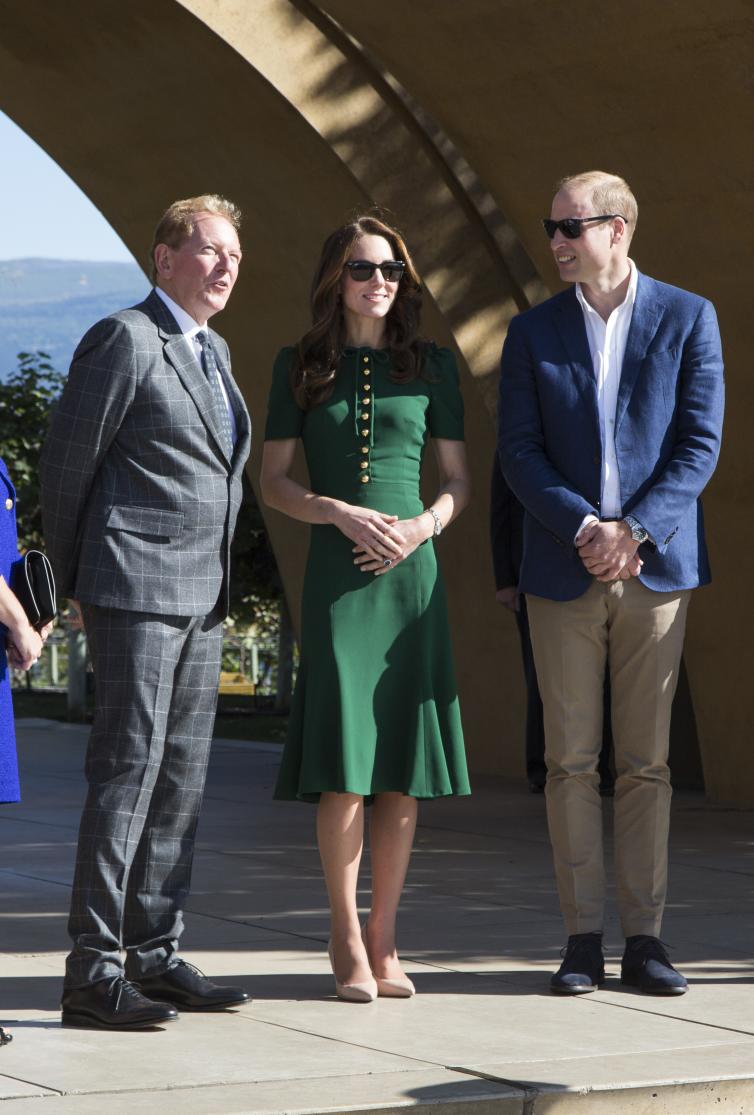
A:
212, 372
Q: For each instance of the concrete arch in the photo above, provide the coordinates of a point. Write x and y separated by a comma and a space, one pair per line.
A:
301, 112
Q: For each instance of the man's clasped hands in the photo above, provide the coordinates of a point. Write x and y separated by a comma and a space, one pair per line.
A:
608, 551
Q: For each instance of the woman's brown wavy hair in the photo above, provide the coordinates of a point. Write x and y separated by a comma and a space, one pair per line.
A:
320, 349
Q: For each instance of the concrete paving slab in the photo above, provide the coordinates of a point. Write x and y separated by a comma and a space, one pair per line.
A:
33, 913
197, 1051
480, 932
387, 1093
12, 1089
731, 1096
720, 1003
460, 1021
729, 1061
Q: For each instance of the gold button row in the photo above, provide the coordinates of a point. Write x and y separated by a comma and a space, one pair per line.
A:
366, 387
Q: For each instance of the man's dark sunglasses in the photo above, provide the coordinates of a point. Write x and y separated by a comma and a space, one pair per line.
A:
362, 270
571, 226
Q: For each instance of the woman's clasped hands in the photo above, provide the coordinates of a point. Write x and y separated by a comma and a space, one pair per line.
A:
381, 540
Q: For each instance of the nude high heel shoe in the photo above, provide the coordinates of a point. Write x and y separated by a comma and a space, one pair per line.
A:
353, 992
401, 988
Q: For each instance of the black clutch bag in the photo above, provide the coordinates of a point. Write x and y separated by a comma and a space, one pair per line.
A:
34, 585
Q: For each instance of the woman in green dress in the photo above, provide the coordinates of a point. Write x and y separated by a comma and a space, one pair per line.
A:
375, 711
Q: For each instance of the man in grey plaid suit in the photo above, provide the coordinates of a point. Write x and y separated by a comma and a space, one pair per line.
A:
141, 485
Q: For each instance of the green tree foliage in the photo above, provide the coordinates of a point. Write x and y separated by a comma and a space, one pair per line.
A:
26, 400
255, 587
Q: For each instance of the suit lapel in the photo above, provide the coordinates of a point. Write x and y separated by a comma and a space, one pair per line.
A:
180, 354
570, 323
645, 320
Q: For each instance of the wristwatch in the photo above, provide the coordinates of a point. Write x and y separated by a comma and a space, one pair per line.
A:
638, 533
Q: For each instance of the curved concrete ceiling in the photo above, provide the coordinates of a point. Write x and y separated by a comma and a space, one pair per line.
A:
459, 125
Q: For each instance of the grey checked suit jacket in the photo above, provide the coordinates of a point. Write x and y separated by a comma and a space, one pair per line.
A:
139, 501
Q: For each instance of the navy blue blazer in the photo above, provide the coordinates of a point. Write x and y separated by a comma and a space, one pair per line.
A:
667, 434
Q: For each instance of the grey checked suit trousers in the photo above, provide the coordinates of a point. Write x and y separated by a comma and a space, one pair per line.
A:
146, 762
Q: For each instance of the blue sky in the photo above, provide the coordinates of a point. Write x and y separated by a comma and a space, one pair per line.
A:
34, 191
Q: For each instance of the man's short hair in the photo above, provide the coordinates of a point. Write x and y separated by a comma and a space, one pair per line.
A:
177, 222
610, 194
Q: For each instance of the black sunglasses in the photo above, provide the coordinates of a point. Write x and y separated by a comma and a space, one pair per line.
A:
362, 270
571, 226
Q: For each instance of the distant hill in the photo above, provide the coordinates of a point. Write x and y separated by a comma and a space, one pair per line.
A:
49, 304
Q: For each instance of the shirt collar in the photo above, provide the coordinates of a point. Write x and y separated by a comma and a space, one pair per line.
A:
185, 322
627, 303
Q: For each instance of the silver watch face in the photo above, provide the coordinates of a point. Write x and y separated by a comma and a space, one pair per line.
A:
638, 533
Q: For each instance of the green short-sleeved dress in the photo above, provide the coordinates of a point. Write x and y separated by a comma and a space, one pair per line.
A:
375, 706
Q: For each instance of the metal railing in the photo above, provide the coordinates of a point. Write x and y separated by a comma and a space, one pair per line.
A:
250, 667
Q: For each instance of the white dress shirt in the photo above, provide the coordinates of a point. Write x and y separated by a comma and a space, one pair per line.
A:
607, 345
190, 329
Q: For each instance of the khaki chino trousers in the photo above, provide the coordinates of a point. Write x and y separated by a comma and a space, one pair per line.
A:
638, 635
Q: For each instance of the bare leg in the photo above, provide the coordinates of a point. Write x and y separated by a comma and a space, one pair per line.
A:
340, 835
391, 836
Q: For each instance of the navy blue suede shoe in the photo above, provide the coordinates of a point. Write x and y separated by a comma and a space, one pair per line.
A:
583, 967
646, 966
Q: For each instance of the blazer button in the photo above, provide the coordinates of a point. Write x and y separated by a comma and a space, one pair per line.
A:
365, 402
363, 464
364, 479
9, 504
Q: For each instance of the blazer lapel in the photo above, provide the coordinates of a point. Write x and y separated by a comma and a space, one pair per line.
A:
645, 320
570, 324
180, 354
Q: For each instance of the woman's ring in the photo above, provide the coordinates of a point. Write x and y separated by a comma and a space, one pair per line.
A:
387, 562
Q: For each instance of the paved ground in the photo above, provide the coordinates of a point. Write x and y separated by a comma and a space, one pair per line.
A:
480, 933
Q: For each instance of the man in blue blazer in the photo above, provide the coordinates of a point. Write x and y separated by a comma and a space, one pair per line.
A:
611, 406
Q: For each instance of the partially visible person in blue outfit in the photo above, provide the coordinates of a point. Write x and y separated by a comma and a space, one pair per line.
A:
20, 648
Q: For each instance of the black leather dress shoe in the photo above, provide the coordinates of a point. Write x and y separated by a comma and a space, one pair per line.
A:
583, 967
113, 1004
645, 965
5, 1038
188, 988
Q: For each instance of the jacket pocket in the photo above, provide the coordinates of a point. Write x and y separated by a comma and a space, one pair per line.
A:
146, 520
